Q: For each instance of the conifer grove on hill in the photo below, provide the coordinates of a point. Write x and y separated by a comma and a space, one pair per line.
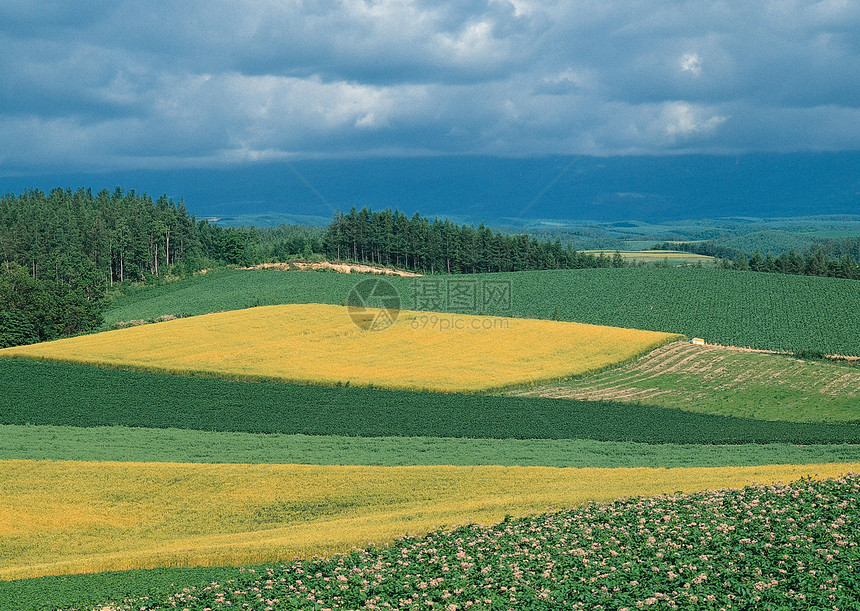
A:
392, 238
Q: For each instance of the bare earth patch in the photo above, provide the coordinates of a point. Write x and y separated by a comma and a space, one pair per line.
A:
136, 323
343, 268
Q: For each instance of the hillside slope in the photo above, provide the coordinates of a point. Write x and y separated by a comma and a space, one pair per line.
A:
769, 311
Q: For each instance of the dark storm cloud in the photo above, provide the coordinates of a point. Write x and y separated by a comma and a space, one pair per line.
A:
98, 85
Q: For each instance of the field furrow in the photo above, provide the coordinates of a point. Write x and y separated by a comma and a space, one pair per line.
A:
713, 379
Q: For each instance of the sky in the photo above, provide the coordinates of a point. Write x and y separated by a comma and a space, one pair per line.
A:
96, 85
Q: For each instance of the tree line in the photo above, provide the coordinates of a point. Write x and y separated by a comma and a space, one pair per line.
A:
843, 262
391, 238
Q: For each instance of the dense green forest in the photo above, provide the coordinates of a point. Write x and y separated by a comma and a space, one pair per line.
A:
63, 251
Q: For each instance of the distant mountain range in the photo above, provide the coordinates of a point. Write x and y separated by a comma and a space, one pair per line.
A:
519, 192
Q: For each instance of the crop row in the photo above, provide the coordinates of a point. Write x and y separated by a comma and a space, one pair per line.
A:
48, 393
722, 381
127, 444
771, 311
760, 547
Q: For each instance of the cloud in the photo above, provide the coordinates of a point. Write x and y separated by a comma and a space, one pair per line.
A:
684, 120
132, 83
692, 62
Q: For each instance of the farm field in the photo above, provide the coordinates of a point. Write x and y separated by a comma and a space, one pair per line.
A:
167, 471
680, 551
419, 351
138, 515
47, 393
671, 257
87, 396
93, 397
767, 311
716, 380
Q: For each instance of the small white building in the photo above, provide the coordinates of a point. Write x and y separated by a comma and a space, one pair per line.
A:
698, 341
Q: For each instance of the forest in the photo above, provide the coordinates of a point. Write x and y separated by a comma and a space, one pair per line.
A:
62, 252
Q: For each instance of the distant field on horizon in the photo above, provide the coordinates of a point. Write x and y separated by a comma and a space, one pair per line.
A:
672, 257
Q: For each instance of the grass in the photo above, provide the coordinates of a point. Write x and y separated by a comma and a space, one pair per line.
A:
46, 393
321, 344
125, 444
714, 380
231, 289
69, 517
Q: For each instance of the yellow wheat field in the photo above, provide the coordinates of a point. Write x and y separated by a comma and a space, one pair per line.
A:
321, 344
69, 517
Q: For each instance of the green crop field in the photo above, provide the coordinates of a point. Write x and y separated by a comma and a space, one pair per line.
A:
714, 380
46, 393
137, 444
769, 311
231, 289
